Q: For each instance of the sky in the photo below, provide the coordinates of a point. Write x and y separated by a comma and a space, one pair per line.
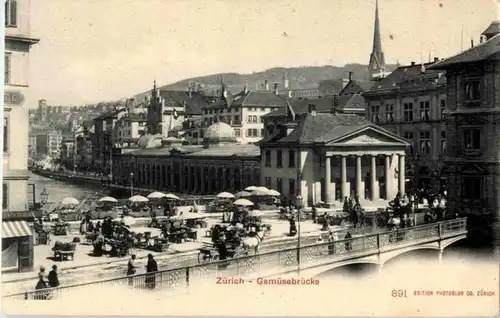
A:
98, 50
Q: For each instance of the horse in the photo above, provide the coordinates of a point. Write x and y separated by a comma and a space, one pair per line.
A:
253, 242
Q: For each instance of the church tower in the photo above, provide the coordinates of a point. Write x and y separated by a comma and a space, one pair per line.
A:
376, 67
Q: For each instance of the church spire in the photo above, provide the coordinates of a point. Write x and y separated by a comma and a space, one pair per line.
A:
377, 60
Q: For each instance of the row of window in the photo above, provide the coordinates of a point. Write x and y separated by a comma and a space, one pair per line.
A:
279, 158
388, 115
237, 109
279, 185
425, 142
251, 132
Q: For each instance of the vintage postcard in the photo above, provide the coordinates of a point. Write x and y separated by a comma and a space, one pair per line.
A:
251, 157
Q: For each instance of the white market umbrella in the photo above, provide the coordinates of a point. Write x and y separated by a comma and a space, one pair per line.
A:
274, 193
260, 191
138, 198
108, 199
242, 194
225, 195
171, 196
156, 195
188, 216
243, 202
255, 213
250, 188
69, 201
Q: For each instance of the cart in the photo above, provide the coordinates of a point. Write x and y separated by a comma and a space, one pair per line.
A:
211, 254
64, 251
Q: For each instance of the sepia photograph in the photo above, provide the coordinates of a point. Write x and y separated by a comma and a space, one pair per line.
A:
251, 158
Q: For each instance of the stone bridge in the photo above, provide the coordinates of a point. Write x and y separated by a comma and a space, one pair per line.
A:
309, 260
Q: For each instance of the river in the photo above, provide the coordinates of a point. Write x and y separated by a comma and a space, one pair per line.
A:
59, 190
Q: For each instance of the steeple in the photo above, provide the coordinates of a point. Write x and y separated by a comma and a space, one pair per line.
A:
376, 66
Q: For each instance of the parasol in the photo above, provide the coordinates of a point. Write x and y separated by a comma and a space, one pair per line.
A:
243, 194
243, 202
260, 191
225, 195
171, 196
138, 198
274, 193
69, 201
156, 195
250, 188
108, 199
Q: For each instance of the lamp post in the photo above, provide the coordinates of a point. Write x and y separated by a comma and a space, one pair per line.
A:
131, 184
44, 196
299, 210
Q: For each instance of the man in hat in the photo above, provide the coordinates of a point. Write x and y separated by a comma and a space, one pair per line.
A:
53, 277
131, 268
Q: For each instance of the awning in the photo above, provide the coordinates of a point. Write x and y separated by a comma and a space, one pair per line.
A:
15, 229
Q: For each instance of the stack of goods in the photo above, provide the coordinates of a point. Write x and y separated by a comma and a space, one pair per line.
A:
61, 246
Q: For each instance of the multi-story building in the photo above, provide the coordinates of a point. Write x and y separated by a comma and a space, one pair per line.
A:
48, 143
104, 126
243, 111
410, 102
472, 124
17, 242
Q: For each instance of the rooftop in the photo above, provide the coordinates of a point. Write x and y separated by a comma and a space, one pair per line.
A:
251, 99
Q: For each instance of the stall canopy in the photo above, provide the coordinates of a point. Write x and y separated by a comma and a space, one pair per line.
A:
15, 229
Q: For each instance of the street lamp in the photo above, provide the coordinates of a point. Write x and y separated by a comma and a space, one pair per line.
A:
44, 196
299, 210
131, 184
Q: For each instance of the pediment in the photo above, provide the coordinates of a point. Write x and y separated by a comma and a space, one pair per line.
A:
472, 120
370, 136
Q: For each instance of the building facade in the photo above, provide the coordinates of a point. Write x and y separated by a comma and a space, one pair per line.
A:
17, 251
472, 123
48, 143
243, 112
410, 102
164, 164
326, 157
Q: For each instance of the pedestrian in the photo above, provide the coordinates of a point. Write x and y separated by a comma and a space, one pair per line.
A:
293, 226
151, 268
42, 283
54, 277
348, 244
131, 269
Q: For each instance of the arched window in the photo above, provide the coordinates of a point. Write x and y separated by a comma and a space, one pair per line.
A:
10, 13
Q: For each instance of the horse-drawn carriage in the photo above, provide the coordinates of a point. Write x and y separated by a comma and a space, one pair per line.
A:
212, 254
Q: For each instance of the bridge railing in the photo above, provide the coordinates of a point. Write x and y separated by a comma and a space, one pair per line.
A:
178, 280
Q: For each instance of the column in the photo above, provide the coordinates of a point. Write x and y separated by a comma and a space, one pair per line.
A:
374, 184
359, 189
171, 176
402, 177
343, 178
328, 181
223, 186
388, 177
202, 180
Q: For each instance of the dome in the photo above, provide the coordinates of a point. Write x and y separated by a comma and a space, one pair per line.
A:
219, 132
150, 141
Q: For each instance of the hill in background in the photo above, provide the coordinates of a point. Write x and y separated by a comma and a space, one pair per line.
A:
299, 78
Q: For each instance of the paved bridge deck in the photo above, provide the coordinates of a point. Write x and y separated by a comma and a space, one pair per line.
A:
310, 260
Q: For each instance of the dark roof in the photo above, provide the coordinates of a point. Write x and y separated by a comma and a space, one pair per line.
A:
410, 77
323, 105
110, 114
325, 128
194, 104
477, 53
252, 99
493, 29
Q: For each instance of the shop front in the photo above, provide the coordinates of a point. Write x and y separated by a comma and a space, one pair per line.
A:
17, 246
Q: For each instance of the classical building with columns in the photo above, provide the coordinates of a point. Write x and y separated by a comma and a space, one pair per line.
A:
165, 164
329, 156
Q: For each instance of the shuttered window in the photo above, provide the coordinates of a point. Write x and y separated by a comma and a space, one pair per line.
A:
5, 196
7, 70
10, 13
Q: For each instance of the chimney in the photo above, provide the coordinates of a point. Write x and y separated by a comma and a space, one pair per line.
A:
289, 94
471, 42
312, 109
245, 89
412, 63
276, 90
266, 85
436, 59
350, 76
285, 81
190, 90
200, 88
